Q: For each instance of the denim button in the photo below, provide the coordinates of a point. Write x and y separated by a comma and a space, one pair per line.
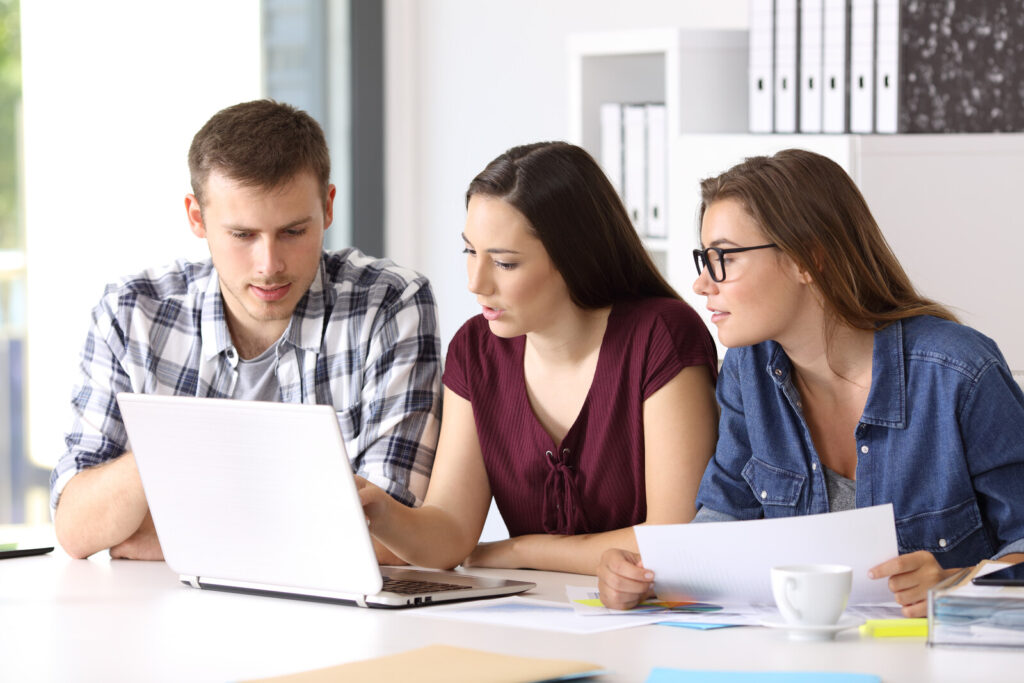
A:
864, 449
764, 494
814, 466
942, 543
778, 373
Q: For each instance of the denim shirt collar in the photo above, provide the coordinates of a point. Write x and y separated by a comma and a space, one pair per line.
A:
887, 400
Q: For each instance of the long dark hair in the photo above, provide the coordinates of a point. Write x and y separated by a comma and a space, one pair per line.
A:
807, 205
580, 220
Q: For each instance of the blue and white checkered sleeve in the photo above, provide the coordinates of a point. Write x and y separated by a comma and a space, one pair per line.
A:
97, 433
400, 410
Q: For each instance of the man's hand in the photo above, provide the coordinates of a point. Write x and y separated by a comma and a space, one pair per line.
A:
622, 579
910, 577
104, 507
142, 545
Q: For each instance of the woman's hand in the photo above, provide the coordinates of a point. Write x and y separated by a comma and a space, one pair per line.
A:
622, 579
376, 503
910, 577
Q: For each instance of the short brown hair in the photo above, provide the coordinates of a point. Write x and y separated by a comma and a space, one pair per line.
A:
811, 209
579, 218
262, 143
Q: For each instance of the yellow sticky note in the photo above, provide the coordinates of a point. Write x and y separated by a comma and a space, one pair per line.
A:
895, 628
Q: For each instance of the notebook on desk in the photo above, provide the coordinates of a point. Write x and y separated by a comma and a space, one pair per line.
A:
257, 497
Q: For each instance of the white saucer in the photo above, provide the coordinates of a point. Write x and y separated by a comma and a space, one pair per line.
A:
800, 632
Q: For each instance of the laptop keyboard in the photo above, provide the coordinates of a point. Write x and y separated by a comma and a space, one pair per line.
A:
407, 587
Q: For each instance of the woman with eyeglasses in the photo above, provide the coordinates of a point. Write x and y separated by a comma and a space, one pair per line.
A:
843, 387
581, 398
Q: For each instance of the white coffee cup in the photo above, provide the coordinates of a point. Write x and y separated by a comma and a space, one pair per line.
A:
811, 594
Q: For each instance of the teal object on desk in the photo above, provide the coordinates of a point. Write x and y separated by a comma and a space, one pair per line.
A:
699, 626
688, 676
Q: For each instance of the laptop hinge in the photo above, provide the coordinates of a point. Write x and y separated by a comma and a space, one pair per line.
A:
191, 581
361, 600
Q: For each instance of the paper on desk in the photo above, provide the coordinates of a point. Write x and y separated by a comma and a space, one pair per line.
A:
735, 614
446, 664
730, 562
531, 613
586, 602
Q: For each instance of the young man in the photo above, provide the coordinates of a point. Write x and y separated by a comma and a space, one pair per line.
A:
270, 316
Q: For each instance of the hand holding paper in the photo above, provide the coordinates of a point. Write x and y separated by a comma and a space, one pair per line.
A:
730, 562
622, 580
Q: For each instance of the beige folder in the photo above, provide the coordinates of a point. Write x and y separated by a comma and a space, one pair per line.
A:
444, 664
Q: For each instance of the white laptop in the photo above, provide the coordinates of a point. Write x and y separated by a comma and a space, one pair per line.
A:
259, 497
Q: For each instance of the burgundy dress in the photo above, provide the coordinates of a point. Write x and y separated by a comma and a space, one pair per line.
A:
594, 480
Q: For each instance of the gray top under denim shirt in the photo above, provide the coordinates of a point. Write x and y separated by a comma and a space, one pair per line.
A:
941, 438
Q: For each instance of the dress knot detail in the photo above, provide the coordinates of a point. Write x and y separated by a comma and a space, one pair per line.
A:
563, 512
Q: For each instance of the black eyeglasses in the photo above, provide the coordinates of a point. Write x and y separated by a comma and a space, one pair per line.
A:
713, 259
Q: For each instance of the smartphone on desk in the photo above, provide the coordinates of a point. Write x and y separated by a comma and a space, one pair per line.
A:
11, 550
1007, 576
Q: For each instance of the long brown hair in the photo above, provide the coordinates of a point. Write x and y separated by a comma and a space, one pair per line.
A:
580, 220
811, 209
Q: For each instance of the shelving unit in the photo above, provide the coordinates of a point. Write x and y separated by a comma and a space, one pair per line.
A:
681, 68
945, 202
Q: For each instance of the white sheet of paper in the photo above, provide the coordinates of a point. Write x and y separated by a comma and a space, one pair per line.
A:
531, 613
730, 562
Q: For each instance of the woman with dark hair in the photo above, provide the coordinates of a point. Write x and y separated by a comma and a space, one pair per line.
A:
582, 398
843, 386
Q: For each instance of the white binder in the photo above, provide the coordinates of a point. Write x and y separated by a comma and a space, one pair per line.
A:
634, 188
862, 66
811, 66
786, 55
835, 66
762, 66
888, 65
657, 171
611, 143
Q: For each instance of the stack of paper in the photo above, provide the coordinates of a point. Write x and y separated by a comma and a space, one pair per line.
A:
960, 613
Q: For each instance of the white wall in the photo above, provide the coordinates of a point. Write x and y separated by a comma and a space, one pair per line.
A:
468, 79
114, 90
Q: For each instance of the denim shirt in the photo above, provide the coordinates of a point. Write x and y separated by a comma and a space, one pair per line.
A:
941, 438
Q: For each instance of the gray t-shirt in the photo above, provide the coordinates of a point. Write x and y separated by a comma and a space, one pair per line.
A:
257, 378
842, 492
842, 495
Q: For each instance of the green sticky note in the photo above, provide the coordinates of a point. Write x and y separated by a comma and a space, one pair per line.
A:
8, 546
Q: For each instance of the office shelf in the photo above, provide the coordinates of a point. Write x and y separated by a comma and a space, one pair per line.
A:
944, 202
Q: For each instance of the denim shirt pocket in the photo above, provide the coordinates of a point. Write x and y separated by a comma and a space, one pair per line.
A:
954, 533
778, 490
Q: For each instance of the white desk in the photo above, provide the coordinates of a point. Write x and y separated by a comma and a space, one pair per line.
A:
98, 619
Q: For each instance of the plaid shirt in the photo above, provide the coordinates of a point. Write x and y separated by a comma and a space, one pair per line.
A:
363, 339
